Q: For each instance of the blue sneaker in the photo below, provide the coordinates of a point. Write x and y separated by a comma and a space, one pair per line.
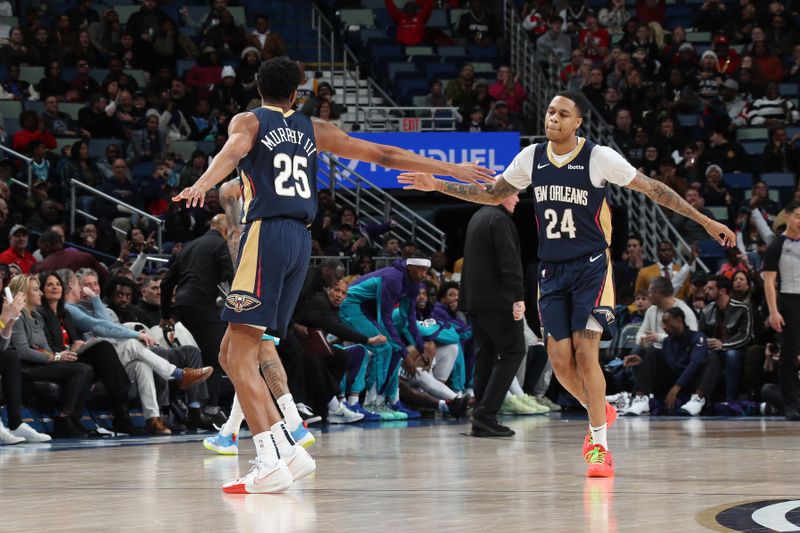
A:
222, 444
410, 413
369, 416
303, 436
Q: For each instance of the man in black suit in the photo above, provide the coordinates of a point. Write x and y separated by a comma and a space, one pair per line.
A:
493, 294
201, 266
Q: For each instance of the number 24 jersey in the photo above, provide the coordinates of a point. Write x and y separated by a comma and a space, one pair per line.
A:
572, 214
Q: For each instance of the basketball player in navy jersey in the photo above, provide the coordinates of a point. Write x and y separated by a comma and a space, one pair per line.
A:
275, 151
569, 175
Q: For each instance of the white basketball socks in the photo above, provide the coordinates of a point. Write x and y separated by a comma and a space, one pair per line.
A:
283, 440
289, 410
234, 422
599, 435
266, 448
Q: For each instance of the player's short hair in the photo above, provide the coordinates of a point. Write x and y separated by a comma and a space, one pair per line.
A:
663, 286
722, 283
278, 78
581, 104
676, 312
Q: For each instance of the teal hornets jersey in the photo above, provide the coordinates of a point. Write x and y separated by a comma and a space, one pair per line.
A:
279, 175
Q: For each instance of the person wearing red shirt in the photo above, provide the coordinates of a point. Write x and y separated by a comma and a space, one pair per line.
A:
650, 11
508, 89
31, 129
18, 253
728, 60
56, 257
594, 39
410, 21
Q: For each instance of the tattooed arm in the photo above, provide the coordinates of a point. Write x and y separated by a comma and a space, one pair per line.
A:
229, 195
663, 195
492, 195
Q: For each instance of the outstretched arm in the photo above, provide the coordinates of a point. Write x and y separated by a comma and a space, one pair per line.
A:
241, 134
332, 139
229, 195
663, 195
491, 195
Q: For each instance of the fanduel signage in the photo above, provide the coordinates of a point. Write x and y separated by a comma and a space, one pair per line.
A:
491, 150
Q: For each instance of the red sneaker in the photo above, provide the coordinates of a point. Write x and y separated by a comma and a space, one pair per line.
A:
600, 462
611, 416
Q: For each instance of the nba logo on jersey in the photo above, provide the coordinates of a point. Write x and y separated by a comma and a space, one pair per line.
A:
241, 302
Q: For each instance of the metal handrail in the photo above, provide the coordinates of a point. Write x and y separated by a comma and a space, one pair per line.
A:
29, 161
372, 203
644, 216
379, 118
74, 210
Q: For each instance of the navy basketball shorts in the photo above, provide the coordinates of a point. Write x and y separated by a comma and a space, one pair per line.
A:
571, 293
273, 260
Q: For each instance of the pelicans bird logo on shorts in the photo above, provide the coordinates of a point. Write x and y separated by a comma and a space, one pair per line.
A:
608, 315
241, 302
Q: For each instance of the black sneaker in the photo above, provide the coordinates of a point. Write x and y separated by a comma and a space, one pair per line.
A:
490, 428
308, 415
64, 428
458, 406
218, 419
124, 424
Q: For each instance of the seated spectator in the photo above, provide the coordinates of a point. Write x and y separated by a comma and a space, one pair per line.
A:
623, 129
82, 51
572, 71
246, 73
712, 16
227, 37
608, 109
362, 266
148, 310
593, 39
100, 354
728, 59
499, 118
682, 363
32, 128
90, 315
17, 253
95, 118
772, 110
63, 35
88, 237
48, 214
534, 19
728, 326
171, 45
769, 66
345, 243
391, 247
731, 156
667, 268
554, 43
81, 167
122, 189
13, 88
687, 228
438, 272
192, 172
779, 154
56, 257
614, 16
460, 91
42, 51
29, 342
59, 123
145, 23
627, 270
228, 94
595, 88
148, 144
140, 244
203, 76
105, 34
14, 50
82, 15
410, 21
11, 370
759, 199
475, 122
650, 163
267, 44
435, 98
714, 190
478, 25
508, 89
633, 313
53, 84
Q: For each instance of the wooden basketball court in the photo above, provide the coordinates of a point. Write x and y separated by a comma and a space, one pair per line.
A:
673, 475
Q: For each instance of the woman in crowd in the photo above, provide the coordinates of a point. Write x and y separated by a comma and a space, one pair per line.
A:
40, 363
99, 354
11, 371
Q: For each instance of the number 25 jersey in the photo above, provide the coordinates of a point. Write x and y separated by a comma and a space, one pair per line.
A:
573, 218
279, 174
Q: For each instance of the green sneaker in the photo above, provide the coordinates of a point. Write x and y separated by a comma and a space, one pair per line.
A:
398, 415
514, 406
531, 402
380, 410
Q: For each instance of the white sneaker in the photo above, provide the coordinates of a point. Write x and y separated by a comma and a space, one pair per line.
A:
694, 405
29, 434
262, 479
6, 437
300, 463
343, 415
547, 402
621, 400
640, 405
